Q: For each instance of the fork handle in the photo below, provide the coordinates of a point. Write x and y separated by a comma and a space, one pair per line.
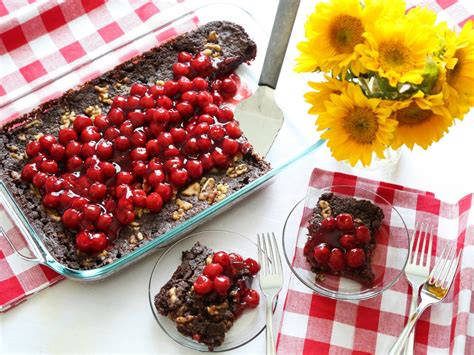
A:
397, 348
410, 345
269, 331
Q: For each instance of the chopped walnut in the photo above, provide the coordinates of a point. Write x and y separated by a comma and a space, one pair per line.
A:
181, 320
12, 148
53, 215
183, 206
93, 110
237, 170
209, 259
103, 92
208, 191
213, 47
17, 156
32, 123
160, 82
217, 309
192, 190
325, 208
140, 236
67, 118
172, 294
22, 137
15, 175
213, 36
221, 191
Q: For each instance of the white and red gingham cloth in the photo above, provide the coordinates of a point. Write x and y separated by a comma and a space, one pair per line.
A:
314, 324
38, 39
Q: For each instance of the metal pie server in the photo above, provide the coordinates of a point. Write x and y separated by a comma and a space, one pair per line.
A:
260, 116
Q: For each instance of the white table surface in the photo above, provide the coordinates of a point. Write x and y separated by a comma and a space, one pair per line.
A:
114, 316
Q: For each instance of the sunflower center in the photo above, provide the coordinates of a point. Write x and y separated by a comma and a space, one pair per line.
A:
345, 32
395, 55
361, 124
453, 74
412, 115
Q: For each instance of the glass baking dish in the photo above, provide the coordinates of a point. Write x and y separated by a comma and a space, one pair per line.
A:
298, 134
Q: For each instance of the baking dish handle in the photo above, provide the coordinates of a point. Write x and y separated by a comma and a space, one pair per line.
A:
20, 220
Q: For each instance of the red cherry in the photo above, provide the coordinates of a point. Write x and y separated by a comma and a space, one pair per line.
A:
205, 118
138, 89
235, 258
53, 184
179, 177
34, 148
217, 133
222, 258
322, 253
81, 122
171, 88
201, 63
204, 144
91, 212
29, 171
124, 177
200, 83
146, 101
139, 168
211, 109
175, 116
184, 84
97, 191
180, 69
119, 102
111, 133
49, 166
116, 116
217, 98
228, 87
161, 115
133, 102
194, 168
125, 216
220, 159
251, 298
190, 96
57, 152
203, 285
66, 199
204, 99
73, 148
171, 152
152, 147
155, 164
39, 179
252, 265
91, 161
233, 130
336, 259
225, 114
156, 177
67, 135
207, 161
104, 150
165, 191
216, 85
213, 269
230, 146
71, 218
173, 164
165, 139
355, 257
88, 149
74, 164
90, 133
185, 109
164, 101
50, 200
345, 222
107, 168
138, 139
94, 173
136, 118
154, 202
47, 141
184, 57
178, 135
122, 143
191, 147
123, 190
38, 159
101, 122
201, 128
98, 242
126, 129
139, 198
362, 235
347, 241
329, 224
83, 242
104, 222
221, 284
139, 154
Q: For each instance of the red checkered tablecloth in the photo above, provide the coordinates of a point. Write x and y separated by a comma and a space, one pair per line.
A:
48, 47
314, 324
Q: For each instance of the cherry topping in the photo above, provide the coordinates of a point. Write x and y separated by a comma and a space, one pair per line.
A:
251, 298
71, 218
222, 258
91, 212
355, 257
221, 284
203, 285
322, 253
34, 148
235, 258
347, 241
154, 202
252, 265
336, 259
81, 122
329, 223
184, 57
138, 90
66, 135
212, 270
345, 222
362, 235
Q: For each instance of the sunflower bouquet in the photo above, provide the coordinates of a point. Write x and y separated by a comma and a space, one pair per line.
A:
392, 76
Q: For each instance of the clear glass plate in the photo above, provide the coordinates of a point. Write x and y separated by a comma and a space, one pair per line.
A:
388, 260
252, 321
296, 139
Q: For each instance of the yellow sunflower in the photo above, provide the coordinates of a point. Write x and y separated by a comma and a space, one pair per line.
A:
458, 86
356, 126
397, 50
422, 120
322, 92
333, 31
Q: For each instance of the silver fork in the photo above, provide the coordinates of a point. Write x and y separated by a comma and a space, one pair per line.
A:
271, 279
434, 290
418, 269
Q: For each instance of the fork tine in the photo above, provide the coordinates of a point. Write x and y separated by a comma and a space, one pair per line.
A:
430, 244
447, 265
452, 270
420, 236
272, 254
437, 268
269, 252
261, 257
423, 248
278, 259
412, 242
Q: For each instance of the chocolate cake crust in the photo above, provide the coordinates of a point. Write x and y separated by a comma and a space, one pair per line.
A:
151, 66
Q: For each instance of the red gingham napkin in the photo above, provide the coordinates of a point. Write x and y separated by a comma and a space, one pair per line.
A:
38, 40
314, 324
